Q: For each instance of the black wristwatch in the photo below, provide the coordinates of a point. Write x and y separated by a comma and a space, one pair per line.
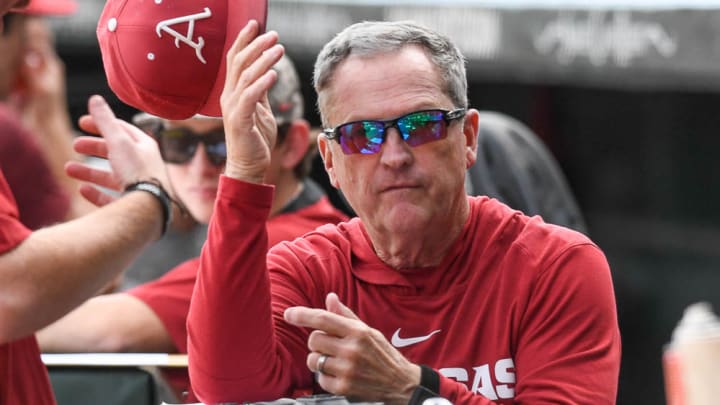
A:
429, 386
156, 189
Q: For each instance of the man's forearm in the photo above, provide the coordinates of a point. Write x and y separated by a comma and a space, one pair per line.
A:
108, 323
57, 268
233, 259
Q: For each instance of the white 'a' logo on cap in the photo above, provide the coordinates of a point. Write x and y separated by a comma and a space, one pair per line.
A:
187, 39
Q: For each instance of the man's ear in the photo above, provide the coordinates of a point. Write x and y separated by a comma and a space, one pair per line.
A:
470, 131
295, 145
327, 157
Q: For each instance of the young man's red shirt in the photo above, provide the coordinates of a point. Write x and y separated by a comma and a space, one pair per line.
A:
23, 376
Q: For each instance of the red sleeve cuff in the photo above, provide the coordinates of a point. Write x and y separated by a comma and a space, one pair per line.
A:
238, 191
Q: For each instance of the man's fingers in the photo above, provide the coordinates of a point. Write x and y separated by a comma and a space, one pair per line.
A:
316, 363
239, 62
264, 111
320, 319
264, 105
103, 116
91, 146
244, 37
87, 124
261, 86
249, 81
265, 59
135, 133
95, 196
90, 174
334, 305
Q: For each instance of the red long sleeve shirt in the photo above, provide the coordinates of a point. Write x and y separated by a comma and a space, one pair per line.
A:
519, 311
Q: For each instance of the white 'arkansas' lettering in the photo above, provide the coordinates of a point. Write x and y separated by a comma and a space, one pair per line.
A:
187, 39
503, 374
482, 382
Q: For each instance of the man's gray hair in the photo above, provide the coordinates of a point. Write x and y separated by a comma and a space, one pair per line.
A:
376, 37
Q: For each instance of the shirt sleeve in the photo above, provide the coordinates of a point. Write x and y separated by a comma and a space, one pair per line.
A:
169, 297
12, 232
233, 327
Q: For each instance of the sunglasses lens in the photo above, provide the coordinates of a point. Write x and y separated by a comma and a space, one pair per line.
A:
422, 127
177, 145
215, 148
416, 128
361, 137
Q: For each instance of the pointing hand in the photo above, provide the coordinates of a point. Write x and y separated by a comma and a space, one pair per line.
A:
359, 362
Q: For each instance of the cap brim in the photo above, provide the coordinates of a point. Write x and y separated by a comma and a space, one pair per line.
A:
50, 7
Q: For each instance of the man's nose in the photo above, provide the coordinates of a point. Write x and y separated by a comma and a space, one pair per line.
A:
200, 162
395, 152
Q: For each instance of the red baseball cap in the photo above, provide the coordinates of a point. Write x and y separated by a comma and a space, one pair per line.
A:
167, 57
50, 7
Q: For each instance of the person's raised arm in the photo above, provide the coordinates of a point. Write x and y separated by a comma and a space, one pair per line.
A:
54, 269
232, 273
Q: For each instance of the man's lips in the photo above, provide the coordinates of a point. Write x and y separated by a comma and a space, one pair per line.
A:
402, 186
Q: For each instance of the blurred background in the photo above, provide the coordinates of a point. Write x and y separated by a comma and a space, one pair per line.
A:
625, 93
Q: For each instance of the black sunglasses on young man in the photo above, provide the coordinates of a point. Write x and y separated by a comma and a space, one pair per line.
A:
416, 128
178, 145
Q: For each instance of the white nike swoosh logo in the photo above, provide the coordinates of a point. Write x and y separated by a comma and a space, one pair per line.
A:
399, 342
